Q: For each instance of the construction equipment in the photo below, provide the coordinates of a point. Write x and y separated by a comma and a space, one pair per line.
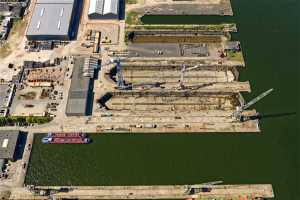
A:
238, 113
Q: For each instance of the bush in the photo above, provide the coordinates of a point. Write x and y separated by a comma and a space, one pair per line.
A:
12, 120
133, 18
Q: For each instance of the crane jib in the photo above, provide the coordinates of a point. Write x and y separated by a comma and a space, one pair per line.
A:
256, 99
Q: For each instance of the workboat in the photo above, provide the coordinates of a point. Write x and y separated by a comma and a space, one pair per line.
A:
66, 138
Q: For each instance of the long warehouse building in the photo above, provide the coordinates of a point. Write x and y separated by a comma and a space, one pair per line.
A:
80, 90
52, 20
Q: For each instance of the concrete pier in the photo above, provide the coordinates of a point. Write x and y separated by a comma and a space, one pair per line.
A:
163, 192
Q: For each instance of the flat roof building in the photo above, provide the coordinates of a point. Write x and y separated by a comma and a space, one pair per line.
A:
104, 9
8, 144
232, 45
80, 90
6, 95
51, 20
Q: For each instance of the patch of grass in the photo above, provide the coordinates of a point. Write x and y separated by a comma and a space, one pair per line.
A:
23, 120
133, 18
195, 27
18, 26
28, 96
237, 55
131, 1
5, 50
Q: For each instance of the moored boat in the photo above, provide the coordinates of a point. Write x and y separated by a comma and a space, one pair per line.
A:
66, 138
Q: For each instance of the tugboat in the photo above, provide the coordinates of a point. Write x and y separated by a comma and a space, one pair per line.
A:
66, 138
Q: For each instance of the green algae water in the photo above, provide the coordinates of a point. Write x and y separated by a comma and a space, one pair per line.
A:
269, 32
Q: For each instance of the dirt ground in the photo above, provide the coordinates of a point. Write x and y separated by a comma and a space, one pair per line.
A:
169, 7
14, 39
12, 48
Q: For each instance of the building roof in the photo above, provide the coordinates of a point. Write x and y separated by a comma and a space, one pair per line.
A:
8, 143
4, 7
232, 45
2, 162
79, 89
104, 7
55, 1
17, 10
4, 93
51, 17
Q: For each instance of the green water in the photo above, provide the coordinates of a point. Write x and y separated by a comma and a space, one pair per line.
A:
269, 32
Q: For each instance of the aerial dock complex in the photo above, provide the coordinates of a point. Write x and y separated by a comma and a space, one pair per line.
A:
93, 66
109, 72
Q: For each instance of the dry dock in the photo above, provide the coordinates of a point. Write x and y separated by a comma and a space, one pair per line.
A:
163, 192
174, 78
161, 98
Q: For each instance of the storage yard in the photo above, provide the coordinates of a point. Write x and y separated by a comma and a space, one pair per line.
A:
41, 88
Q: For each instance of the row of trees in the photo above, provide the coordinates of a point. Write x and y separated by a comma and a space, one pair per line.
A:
23, 121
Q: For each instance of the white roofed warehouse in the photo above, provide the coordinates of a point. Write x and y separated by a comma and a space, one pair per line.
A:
51, 20
104, 9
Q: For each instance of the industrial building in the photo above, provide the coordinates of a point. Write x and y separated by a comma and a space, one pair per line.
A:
104, 9
232, 46
80, 90
51, 20
6, 96
5, 28
8, 144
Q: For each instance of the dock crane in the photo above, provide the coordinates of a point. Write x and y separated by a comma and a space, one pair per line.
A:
204, 187
238, 113
145, 85
182, 77
121, 81
183, 70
